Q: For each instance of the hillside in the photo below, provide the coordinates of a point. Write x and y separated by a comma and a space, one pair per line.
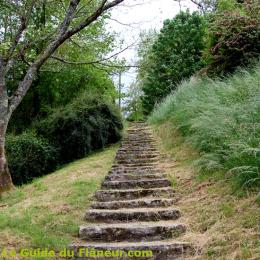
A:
221, 224
220, 119
48, 212
209, 133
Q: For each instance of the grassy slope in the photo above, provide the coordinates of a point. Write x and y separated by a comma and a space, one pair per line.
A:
221, 119
221, 224
48, 212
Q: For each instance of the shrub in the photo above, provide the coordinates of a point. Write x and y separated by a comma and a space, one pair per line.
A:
233, 37
29, 156
77, 129
221, 118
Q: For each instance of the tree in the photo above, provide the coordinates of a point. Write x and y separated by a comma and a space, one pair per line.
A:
18, 33
174, 56
65, 76
206, 6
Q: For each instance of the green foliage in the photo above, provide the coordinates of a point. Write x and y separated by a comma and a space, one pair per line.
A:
233, 36
86, 124
69, 132
29, 156
174, 56
133, 105
221, 118
61, 79
52, 90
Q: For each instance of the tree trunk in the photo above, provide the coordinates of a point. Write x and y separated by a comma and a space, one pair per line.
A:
5, 177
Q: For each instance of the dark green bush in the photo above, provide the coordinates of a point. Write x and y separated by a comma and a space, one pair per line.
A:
29, 156
77, 129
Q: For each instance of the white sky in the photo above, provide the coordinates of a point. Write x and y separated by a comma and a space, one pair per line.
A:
141, 15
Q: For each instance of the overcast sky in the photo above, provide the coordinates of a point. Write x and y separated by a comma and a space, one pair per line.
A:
135, 16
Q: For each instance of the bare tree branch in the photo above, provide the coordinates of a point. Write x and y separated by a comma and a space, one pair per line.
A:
69, 16
102, 8
24, 19
201, 7
119, 66
91, 62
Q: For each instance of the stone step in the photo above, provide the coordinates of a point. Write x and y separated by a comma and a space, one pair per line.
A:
135, 171
140, 140
139, 231
137, 150
138, 203
155, 250
136, 161
133, 136
137, 131
126, 167
140, 156
130, 184
130, 194
134, 176
140, 145
132, 215
137, 164
125, 155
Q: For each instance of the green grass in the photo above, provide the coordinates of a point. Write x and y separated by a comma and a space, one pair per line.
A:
221, 224
47, 213
221, 119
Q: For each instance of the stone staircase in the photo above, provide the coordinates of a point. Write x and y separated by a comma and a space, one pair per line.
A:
135, 208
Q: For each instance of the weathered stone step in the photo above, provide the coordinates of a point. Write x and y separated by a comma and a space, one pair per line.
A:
136, 161
110, 195
130, 215
155, 250
138, 135
137, 164
140, 144
144, 138
141, 156
136, 149
130, 184
132, 167
138, 140
136, 171
138, 203
139, 231
134, 176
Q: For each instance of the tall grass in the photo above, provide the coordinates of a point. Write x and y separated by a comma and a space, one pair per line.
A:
221, 118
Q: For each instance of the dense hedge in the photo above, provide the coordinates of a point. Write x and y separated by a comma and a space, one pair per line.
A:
68, 133
29, 156
81, 127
